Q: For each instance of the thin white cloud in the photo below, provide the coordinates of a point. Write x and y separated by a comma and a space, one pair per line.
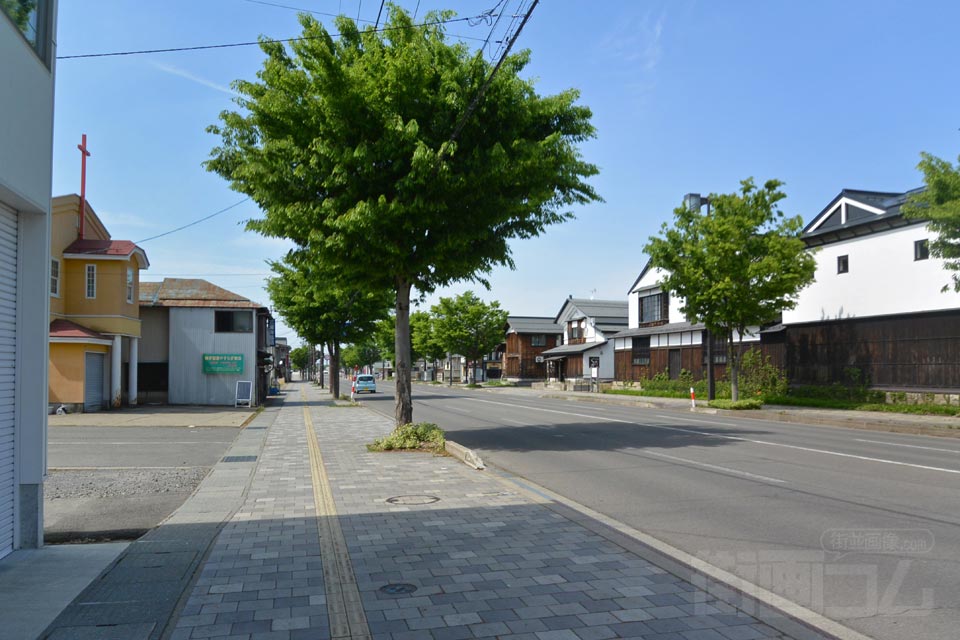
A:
637, 40
119, 219
183, 73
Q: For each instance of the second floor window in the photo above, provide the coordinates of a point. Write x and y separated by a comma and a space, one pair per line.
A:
538, 340
55, 277
843, 264
575, 330
921, 250
91, 281
652, 308
32, 19
233, 322
129, 285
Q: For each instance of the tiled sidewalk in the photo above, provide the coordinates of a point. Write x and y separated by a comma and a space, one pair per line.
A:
478, 560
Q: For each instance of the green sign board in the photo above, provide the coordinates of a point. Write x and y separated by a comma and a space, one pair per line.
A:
223, 363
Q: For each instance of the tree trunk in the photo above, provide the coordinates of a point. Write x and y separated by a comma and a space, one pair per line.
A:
321, 364
334, 350
733, 357
404, 406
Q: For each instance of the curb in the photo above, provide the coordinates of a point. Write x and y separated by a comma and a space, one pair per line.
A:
467, 456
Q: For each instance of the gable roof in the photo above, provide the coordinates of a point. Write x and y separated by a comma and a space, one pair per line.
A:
532, 324
189, 292
857, 212
643, 272
66, 331
607, 315
107, 249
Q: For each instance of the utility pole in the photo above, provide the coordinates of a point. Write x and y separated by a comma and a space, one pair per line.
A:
694, 202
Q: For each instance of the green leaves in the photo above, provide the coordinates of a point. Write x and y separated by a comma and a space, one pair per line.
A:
467, 326
939, 205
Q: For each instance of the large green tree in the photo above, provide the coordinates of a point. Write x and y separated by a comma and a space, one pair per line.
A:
468, 326
359, 355
323, 308
939, 205
737, 266
299, 357
363, 150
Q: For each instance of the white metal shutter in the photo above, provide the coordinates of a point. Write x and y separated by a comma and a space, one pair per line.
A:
93, 382
8, 362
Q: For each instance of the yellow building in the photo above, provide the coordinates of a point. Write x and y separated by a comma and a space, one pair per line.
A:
94, 310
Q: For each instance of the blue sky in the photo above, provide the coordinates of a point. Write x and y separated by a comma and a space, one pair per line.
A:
687, 95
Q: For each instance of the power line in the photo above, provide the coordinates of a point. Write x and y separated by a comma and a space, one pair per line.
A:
483, 89
208, 275
265, 41
195, 222
378, 15
286, 6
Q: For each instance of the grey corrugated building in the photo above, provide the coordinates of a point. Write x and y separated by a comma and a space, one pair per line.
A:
199, 341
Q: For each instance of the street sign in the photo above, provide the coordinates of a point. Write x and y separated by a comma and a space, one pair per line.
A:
244, 395
594, 362
223, 363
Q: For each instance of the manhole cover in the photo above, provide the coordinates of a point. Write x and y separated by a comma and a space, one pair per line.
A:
398, 589
413, 499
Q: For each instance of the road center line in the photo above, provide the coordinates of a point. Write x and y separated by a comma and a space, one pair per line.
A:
697, 463
909, 446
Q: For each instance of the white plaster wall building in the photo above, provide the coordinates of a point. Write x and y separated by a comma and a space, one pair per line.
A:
876, 308
586, 326
27, 51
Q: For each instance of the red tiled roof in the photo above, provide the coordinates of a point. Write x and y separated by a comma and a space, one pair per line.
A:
66, 329
102, 247
188, 292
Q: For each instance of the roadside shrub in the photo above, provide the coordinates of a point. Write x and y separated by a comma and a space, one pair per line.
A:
420, 436
748, 403
759, 378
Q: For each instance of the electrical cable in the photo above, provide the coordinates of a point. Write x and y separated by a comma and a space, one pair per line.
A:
258, 42
195, 222
377, 24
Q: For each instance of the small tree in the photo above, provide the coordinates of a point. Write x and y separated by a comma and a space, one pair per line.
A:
423, 340
467, 326
366, 150
939, 205
357, 356
736, 268
299, 356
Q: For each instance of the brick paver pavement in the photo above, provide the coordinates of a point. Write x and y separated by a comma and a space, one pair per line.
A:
479, 560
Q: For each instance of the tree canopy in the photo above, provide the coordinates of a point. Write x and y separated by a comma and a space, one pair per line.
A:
468, 326
738, 266
360, 355
322, 308
939, 205
347, 145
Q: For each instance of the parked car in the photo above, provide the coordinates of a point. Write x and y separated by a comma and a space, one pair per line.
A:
365, 382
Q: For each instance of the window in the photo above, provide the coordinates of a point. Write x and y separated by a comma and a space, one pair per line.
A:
641, 350
55, 277
91, 281
233, 322
575, 331
719, 349
538, 340
921, 250
653, 308
130, 285
843, 264
32, 19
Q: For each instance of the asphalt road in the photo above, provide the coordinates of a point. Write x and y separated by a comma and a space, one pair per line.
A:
861, 526
116, 483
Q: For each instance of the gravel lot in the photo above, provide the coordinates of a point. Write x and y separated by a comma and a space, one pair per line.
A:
128, 482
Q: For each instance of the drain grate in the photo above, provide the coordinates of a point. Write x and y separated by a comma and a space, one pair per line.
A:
413, 499
239, 459
398, 589
255, 428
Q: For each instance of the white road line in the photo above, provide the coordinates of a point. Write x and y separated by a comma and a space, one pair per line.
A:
909, 446
712, 466
726, 437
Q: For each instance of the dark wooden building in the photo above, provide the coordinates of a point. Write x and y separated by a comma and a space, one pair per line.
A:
527, 337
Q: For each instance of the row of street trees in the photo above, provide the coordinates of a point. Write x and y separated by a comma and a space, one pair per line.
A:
397, 162
464, 325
